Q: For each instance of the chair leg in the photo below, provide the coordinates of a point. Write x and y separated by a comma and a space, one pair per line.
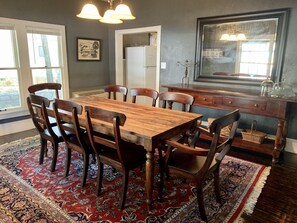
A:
217, 184
55, 156
85, 169
68, 159
201, 202
124, 190
100, 176
43, 143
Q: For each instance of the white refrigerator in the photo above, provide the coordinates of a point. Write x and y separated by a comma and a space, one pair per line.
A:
141, 69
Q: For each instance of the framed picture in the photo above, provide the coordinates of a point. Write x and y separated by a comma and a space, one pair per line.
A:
88, 49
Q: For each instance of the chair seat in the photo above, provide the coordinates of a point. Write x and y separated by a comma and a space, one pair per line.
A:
134, 155
187, 162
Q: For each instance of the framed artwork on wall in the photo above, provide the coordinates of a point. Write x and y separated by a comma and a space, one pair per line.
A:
88, 49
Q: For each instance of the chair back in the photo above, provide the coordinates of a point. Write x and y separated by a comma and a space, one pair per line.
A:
112, 139
37, 106
148, 92
45, 86
66, 113
229, 120
113, 89
168, 98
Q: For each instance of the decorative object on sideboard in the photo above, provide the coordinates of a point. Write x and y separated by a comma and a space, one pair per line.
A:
185, 78
282, 90
252, 135
121, 12
266, 87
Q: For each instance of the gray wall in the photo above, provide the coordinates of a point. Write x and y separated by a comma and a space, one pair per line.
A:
178, 21
82, 74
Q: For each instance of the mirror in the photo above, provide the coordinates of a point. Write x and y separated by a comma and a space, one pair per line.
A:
241, 49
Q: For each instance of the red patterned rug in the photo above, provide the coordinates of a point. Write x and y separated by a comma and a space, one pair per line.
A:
29, 192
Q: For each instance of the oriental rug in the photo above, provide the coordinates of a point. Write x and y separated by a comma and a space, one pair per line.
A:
29, 192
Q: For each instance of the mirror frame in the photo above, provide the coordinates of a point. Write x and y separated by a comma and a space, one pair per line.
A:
282, 16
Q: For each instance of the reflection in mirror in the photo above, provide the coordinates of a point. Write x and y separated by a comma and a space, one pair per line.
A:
242, 48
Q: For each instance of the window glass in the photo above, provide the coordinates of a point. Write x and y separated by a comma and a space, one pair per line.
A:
9, 78
30, 53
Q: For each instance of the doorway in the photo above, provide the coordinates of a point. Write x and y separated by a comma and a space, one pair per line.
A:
119, 56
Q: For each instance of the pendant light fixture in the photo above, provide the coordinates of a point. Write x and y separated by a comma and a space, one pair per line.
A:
89, 11
108, 16
123, 12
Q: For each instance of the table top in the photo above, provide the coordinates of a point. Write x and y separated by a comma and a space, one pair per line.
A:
143, 123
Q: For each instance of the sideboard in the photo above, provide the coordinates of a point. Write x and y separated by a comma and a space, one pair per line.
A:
249, 102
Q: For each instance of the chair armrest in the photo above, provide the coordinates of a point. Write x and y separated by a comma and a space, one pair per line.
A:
197, 151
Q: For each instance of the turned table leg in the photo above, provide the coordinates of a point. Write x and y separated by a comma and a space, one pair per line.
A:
149, 179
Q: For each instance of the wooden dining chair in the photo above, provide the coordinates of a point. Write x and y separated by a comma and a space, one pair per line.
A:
169, 98
196, 163
147, 92
66, 113
37, 106
113, 89
45, 86
112, 150
41, 90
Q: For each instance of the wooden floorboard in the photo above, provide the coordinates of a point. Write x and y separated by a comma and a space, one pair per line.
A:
278, 200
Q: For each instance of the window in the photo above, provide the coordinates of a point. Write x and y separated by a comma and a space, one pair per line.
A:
255, 58
31, 53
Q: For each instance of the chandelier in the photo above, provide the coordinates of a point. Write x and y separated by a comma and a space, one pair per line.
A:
111, 16
233, 37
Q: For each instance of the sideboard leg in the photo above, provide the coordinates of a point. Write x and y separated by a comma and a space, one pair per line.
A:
280, 140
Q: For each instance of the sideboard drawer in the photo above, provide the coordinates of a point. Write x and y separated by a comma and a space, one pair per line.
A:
243, 103
206, 100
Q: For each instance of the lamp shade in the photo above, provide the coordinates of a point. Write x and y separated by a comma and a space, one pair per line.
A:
123, 12
89, 11
241, 36
107, 18
225, 36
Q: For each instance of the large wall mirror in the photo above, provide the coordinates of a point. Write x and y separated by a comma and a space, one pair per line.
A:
241, 49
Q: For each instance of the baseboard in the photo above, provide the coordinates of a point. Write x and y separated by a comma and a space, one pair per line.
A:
14, 127
291, 145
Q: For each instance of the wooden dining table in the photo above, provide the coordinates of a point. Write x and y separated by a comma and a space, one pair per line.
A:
145, 125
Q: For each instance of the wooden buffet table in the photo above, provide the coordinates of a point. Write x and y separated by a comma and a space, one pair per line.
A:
248, 102
145, 125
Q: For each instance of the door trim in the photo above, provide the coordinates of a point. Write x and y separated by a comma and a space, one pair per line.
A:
119, 52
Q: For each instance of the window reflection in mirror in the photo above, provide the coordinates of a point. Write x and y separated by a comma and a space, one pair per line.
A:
242, 48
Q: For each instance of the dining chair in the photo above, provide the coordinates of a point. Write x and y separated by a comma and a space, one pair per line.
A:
169, 98
66, 113
42, 89
113, 89
112, 150
196, 163
37, 106
45, 86
147, 92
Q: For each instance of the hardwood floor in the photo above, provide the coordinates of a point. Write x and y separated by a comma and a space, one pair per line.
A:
278, 200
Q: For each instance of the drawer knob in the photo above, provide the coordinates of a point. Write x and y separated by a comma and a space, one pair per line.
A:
229, 102
204, 99
256, 105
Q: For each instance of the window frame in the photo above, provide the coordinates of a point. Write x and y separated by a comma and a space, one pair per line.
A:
21, 28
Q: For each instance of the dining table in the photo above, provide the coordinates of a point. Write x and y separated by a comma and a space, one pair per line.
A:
145, 125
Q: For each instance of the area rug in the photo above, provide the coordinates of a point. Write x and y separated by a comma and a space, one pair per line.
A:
29, 192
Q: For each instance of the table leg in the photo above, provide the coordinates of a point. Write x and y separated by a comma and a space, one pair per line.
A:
149, 178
